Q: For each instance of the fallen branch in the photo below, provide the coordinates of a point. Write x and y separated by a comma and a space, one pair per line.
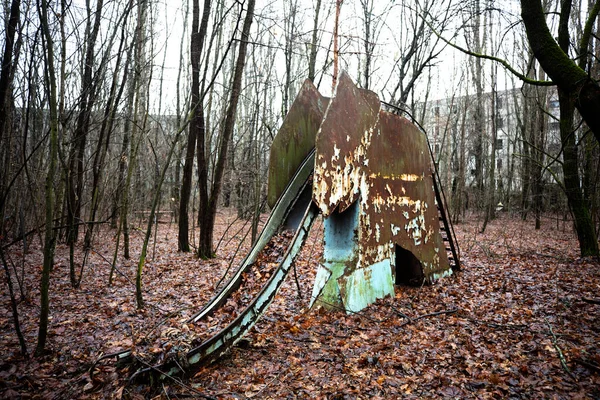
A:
400, 313
588, 364
561, 357
591, 301
118, 355
450, 311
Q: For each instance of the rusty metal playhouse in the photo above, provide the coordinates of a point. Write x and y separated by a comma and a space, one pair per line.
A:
375, 184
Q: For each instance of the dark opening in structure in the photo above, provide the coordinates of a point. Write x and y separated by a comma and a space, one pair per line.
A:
408, 268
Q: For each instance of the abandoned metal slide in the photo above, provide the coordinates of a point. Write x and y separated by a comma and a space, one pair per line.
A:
294, 210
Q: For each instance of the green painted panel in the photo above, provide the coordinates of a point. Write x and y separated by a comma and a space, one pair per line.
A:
295, 139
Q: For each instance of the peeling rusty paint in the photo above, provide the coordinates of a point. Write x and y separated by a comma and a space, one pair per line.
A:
341, 146
381, 162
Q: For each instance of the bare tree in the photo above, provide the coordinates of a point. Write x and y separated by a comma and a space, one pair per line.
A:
312, 59
417, 47
50, 234
197, 124
6, 78
208, 207
87, 98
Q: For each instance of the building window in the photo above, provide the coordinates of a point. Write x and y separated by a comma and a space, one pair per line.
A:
499, 122
499, 144
554, 126
499, 163
554, 104
437, 148
499, 103
437, 111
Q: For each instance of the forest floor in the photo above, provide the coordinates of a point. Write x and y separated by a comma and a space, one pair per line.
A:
514, 323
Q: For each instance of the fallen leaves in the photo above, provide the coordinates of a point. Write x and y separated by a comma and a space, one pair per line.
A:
481, 334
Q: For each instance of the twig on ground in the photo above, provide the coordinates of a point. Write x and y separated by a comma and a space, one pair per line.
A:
298, 287
165, 319
412, 299
329, 334
450, 311
400, 313
340, 308
216, 286
177, 381
561, 357
110, 264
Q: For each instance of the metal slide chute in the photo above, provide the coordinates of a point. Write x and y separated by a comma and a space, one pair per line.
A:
226, 338
283, 214
291, 163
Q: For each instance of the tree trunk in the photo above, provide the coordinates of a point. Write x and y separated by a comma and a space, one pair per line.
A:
196, 128
50, 235
6, 74
132, 123
588, 242
155, 201
290, 34
528, 111
490, 201
104, 140
367, 8
312, 60
338, 6
14, 306
479, 111
76, 171
208, 211
538, 134
6, 79
563, 71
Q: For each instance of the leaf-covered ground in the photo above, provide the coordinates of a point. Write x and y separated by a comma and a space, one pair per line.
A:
514, 323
